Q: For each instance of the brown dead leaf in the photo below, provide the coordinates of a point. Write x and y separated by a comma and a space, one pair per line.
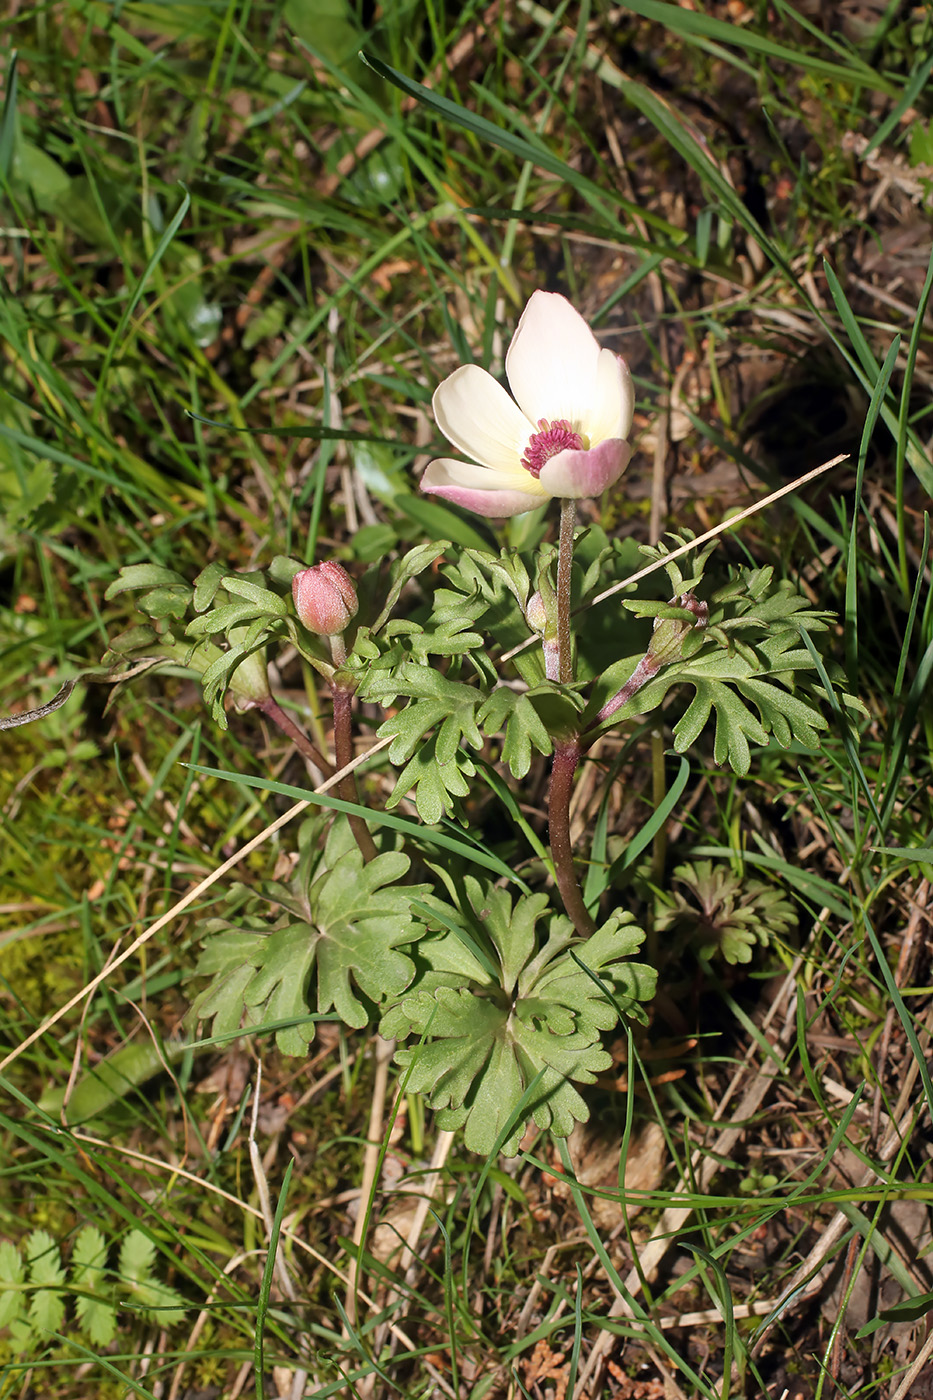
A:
596, 1163
385, 272
546, 1365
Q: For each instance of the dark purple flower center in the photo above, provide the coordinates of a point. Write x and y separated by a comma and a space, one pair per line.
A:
550, 439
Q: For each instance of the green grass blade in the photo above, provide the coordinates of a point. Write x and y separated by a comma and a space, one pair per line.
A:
852, 558
8, 119
693, 24
158, 254
902, 424
915, 85
265, 1286
903, 1014
902, 728
912, 612
423, 834
523, 147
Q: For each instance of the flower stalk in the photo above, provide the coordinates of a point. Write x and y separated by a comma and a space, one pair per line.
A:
568, 515
566, 759
273, 711
342, 695
666, 646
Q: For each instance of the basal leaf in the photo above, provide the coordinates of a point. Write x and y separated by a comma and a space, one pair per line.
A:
363, 915
486, 1045
278, 990
230, 959
343, 955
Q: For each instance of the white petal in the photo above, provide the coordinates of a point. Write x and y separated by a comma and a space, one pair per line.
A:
552, 361
613, 400
481, 490
474, 411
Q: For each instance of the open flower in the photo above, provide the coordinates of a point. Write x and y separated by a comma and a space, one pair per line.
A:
564, 433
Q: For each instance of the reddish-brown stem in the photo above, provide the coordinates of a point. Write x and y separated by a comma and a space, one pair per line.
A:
647, 668
273, 710
564, 766
343, 748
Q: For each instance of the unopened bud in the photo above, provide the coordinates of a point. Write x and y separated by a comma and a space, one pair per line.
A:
669, 632
325, 599
536, 614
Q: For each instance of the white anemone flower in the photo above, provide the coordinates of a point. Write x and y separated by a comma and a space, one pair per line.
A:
564, 433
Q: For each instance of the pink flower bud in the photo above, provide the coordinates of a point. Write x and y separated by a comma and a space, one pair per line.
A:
325, 599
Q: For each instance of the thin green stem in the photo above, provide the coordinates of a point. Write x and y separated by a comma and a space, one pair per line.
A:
566, 758
568, 515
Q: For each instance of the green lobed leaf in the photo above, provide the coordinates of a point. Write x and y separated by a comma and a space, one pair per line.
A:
735, 724
436, 786
263, 599
206, 585
133, 576
516, 714
747, 658
722, 912
486, 1045
278, 990
230, 960
359, 917
452, 712
404, 570
364, 915
227, 615
601, 965
218, 676
166, 602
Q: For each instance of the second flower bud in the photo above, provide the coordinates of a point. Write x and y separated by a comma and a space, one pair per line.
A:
325, 598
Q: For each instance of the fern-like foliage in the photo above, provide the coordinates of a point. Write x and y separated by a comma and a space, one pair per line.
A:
513, 1003
36, 1286
744, 659
437, 769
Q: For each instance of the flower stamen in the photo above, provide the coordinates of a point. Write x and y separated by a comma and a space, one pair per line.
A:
550, 439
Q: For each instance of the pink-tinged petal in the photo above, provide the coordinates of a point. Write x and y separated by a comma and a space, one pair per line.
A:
476, 488
552, 361
474, 411
576, 474
613, 400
